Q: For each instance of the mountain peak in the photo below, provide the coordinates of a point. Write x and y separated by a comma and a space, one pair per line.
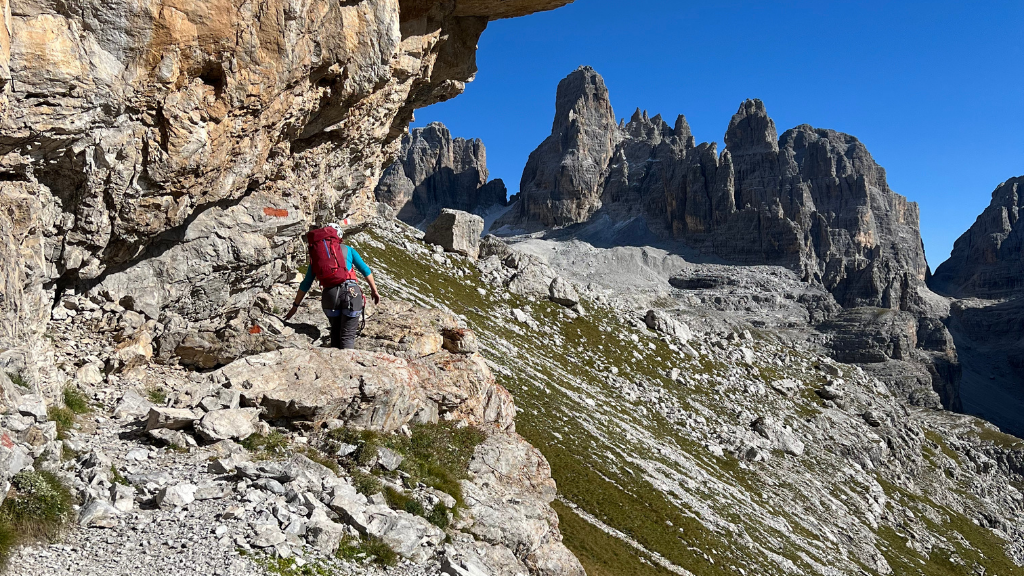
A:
682, 131
581, 93
751, 130
985, 261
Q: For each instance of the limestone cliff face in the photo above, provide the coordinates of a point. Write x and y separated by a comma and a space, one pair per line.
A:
812, 200
985, 273
562, 180
986, 260
199, 138
435, 171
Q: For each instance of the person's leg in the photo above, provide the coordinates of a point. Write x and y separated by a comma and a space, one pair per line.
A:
336, 327
349, 329
329, 303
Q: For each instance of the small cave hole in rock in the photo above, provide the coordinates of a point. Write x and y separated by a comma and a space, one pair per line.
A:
212, 75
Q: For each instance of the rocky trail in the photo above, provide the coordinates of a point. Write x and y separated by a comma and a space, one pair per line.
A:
171, 475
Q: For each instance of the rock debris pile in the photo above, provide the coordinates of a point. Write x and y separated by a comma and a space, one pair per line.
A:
708, 387
235, 470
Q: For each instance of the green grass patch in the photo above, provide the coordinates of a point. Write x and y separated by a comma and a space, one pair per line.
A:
934, 437
402, 501
18, 380
368, 548
287, 566
320, 458
157, 395
989, 433
38, 508
263, 447
439, 516
117, 478
63, 417
437, 455
76, 401
600, 553
365, 483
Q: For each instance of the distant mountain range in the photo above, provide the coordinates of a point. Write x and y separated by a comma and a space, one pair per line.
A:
811, 200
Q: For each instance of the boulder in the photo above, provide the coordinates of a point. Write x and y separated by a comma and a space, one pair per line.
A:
872, 418
388, 459
33, 405
349, 505
781, 437
451, 565
456, 231
99, 514
324, 535
404, 330
560, 291
662, 322
267, 536
213, 490
410, 536
508, 500
122, 497
533, 275
226, 464
491, 245
460, 341
10, 393
170, 418
90, 374
228, 424
132, 406
176, 496
173, 438
371, 390
133, 352
13, 457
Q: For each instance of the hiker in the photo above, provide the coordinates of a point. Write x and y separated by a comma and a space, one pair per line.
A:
335, 264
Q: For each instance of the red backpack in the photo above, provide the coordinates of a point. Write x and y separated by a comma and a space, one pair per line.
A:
327, 257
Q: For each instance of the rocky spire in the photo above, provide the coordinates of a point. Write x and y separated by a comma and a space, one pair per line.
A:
436, 171
986, 260
751, 130
562, 180
682, 132
582, 97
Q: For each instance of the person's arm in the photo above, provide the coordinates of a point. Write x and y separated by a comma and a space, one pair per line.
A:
304, 287
358, 264
373, 288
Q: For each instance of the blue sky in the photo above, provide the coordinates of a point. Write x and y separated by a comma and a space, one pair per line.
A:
935, 89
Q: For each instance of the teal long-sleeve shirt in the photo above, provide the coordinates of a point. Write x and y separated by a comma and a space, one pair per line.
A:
352, 258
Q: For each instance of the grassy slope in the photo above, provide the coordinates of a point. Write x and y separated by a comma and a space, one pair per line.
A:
612, 457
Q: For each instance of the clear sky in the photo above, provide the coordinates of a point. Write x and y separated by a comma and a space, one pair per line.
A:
935, 89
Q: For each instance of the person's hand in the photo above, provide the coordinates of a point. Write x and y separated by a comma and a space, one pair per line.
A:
291, 313
376, 297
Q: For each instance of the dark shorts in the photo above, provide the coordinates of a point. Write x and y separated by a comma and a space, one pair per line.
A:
344, 323
344, 330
